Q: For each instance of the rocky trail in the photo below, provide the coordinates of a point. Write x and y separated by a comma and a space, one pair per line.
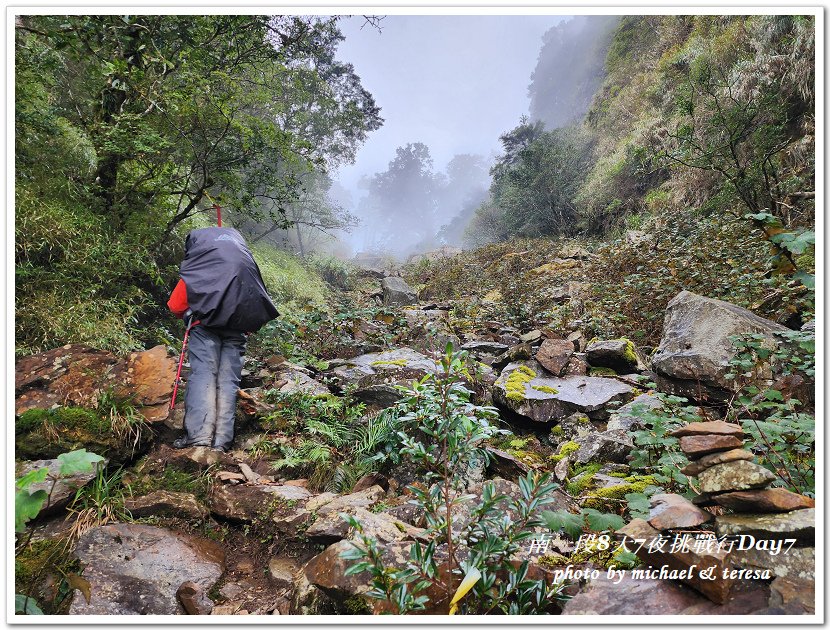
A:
205, 532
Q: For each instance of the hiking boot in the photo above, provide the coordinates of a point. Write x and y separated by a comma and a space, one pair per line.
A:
221, 449
183, 443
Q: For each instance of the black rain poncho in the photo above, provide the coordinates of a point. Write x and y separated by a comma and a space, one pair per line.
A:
224, 284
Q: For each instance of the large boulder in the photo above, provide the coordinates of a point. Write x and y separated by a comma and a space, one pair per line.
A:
376, 375
620, 355
81, 376
524, 390
396, 292
251, 502
695, 350
138, 569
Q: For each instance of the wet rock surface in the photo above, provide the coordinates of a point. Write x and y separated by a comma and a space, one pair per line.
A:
138, 569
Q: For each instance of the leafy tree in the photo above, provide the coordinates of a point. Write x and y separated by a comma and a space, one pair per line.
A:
124, 125
535, 181
402, 205
739, 115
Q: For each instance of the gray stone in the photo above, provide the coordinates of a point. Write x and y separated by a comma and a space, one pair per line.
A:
247, 503
800, 524
629, 416
231, 591
713, 427
137, 569
384, 528
692, 562
707, 461
798, 563
375, 376
281, 572
793, 595
554, 354
64, 489
548, 399
631, 597
737, 475
607, 446
695, 345
335, 503
396, 292
576, 425
618, 354
294, 381
485, 347
699, 445
194, 599
768, 500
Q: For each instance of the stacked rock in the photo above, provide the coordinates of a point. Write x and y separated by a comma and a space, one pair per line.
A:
766, 517
726, 473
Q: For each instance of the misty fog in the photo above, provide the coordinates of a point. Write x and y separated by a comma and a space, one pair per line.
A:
448, 87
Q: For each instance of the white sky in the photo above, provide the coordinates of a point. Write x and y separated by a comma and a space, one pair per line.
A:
454, 83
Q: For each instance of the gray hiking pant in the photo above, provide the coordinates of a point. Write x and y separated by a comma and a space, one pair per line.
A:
215, 371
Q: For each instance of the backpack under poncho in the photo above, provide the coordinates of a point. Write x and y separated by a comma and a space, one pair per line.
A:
224, 284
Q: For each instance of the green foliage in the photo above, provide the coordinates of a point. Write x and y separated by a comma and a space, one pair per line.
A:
535, 182
294, 287
587, 519
657, 452
29, 504
124, 125
31, 559
310, 337
46, 433
338, 443
783, 432
24, 605
442, 433
45, 575
98, 503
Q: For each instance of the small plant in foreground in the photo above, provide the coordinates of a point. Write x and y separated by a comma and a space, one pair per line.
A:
467, 561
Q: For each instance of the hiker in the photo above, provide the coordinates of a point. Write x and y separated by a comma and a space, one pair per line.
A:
222, 298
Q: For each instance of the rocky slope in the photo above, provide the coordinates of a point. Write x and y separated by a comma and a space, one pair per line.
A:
203, 532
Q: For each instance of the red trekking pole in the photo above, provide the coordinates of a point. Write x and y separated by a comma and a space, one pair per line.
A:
178, 380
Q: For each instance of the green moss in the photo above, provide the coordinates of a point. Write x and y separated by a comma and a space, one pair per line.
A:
586, 478
565, 449
30, 420
45, 434
395, 362
173, 480
601, 371
605, 558
609, 498
618, 474
569, 447
557, 431
356, 605
42, 562
629, 352
517, 382
518, 442
546, 389
550, 561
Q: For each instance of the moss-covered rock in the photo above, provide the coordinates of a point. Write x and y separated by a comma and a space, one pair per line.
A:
610, 498
46, 433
